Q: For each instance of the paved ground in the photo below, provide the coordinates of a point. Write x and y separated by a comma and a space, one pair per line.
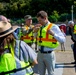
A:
64, 59
67, 44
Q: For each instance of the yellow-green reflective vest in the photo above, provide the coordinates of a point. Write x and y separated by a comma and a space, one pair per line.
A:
20, 33
29, 70
28, 38
74, 29
6, 60
6, 64
46, 39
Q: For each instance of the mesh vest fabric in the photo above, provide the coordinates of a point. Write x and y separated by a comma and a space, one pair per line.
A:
6, 64
28, 38
45, 39
74, 29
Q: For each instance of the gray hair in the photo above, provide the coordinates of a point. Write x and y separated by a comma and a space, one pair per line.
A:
71, 22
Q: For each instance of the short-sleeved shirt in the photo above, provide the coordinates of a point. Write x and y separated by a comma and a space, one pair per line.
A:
26, 52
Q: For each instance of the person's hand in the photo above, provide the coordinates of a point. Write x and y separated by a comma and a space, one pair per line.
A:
50, 32
37, 27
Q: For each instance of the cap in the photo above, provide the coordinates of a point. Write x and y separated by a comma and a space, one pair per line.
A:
71, 22
27, 17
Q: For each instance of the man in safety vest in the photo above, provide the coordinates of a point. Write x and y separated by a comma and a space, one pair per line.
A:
49, 36
14, 54
27, 31
72, 32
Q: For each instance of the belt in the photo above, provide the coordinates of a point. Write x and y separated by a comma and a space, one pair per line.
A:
42, 50
46, 51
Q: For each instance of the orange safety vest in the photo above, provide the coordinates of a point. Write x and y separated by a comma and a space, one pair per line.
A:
28, 38
46, 39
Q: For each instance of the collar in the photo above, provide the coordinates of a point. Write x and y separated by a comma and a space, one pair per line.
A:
46, 24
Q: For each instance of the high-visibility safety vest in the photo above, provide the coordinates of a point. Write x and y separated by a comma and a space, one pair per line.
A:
20, 33
7, 65
28, 38
74, 29
45, 39
29, 70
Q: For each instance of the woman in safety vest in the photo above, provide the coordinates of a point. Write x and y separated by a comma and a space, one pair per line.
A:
16, 57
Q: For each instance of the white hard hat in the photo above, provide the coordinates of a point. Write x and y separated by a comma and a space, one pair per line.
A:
71, 22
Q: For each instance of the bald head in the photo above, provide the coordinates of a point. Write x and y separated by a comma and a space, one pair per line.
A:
3, 18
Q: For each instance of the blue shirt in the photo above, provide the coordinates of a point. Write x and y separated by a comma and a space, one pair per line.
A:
16, 33
26, 52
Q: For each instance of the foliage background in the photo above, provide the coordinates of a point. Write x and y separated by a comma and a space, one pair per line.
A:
58, 10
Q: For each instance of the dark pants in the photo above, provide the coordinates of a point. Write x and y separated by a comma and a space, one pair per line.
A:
74, 51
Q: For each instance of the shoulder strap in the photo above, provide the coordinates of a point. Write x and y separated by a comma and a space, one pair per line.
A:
18, 46
49, 26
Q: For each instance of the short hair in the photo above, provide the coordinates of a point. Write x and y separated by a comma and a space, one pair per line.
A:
27, 17
42, 14
71, 22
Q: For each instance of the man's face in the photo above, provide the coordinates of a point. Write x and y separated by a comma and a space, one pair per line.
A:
71, 25
28, 22
41, 20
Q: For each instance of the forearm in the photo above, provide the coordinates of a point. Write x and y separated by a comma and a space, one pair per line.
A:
59, 38
34, 62
25, 32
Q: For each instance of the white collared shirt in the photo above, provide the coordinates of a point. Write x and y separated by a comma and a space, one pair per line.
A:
58, 36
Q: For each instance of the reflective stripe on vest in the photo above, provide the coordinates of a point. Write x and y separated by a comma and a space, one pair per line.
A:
8, 64
29, 70
74, 29
16, 61
29, 38
46, 39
